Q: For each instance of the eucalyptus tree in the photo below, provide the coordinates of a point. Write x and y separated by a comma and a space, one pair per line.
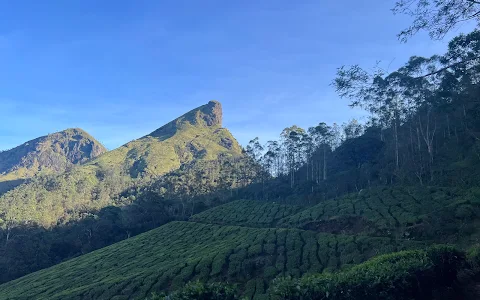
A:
293, 143
322, 136
352, 129
436, 17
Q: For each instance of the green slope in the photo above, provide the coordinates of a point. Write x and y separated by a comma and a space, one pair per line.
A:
166, 257
194, 137
53, 153
197, 135
246, 213
422, 213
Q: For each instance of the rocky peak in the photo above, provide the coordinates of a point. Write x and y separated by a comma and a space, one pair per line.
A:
208, 115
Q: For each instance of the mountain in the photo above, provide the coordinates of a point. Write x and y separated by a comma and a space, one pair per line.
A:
193, 137
167, 175
53, 153
196, 135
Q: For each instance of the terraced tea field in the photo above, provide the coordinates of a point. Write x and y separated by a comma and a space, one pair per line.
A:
167, 257
251, 243
372, 211
247, 213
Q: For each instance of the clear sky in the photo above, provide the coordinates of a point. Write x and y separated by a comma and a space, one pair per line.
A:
120, 69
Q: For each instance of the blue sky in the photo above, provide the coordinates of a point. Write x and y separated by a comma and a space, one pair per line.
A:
121, 69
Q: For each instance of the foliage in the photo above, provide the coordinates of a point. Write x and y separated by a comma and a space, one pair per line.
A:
246, 213
473, 258
437, 17
50, 154
167, 257
144, 184
403, 275
435, 214
200, 291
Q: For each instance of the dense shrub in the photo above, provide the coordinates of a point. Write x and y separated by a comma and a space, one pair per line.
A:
404, 275
200, 291
473, 258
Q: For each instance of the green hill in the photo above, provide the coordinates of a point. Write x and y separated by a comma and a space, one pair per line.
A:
445, 215
169, 256
51, 154
196, 135
163, 176
192, 138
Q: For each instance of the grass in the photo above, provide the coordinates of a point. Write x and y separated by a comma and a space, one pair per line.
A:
178, 252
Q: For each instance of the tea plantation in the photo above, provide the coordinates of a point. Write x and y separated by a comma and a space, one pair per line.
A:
387, 211
251, 243
178, 252
247, 213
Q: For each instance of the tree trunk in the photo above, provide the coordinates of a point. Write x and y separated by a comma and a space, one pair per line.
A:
324, 162
397, 159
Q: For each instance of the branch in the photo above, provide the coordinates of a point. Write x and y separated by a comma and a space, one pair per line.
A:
473, 1
447, 67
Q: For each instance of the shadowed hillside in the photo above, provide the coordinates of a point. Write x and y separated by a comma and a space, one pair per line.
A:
163, 176
167, 257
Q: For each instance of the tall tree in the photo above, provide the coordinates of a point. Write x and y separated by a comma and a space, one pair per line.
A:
322, 136
352, 129
437, 17
292, 140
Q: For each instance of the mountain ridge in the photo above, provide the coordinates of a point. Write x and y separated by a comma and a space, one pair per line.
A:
209, 115
198, 136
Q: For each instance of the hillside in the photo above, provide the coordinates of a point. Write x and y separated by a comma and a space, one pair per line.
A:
255, 253
446, 215
160, 177
167, 257
194, 137
246, 213
51, 154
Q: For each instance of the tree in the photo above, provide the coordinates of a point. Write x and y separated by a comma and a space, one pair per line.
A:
273, 158
292, 140
255, 149
352, 129
322, 136
380, 94
437, 17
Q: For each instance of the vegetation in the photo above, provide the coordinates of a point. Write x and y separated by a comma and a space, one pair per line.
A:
441, 214
436, 17
200, 291
418, 274
415, 274
50, 154
246, 213
167, 257
142, 185
328, 197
